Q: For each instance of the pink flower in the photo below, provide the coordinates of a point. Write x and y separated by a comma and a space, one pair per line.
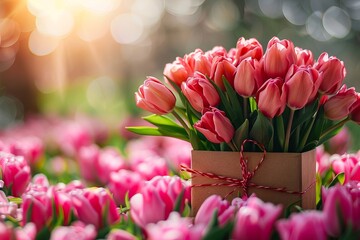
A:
15, 173
199, 62
255, 220
200, 92
333, 71
304, 57
31, 148
349, 164
176, 152
271, 99
215, 126
323, 162
173, 187
150, 166
177, 72
340, 143
222, 67
337, 210
77, 230
63, 205
37, 208
339, 106
87, 158
7, 208
119, 234
247, 79
225, 212
109, 161
301, 85
124, 182
247, 48
155, 97
279, 56
149, 206
95, 206
305, 225
175, 227
353, 189
355, 111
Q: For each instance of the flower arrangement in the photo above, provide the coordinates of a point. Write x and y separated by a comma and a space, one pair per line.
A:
281, 97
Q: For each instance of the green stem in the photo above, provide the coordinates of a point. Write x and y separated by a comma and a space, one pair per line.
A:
306, 136
181, 121
288, 130
246, 107
330, 129
233, 146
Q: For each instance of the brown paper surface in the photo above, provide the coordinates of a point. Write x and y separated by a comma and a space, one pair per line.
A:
293, 171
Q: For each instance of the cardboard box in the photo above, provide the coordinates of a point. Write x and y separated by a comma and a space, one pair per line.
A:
293, 171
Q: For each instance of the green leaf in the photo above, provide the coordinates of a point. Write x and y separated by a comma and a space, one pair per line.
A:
165, 123
329, 135
153, 131
187, 211
15, 200
304, 114
178, 201
262, 130
253, 104
234, 102
310, 146
217, 232
339, 178
280, 130
241, 133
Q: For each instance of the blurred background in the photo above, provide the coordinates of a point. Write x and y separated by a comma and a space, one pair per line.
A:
72, 57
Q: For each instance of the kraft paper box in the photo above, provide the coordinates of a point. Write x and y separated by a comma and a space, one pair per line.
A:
293, 171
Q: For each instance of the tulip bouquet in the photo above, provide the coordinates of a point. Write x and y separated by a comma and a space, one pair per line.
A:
280, 97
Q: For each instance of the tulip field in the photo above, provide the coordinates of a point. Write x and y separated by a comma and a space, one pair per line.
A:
67, 179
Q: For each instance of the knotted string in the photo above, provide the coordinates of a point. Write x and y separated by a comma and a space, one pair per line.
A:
247, 175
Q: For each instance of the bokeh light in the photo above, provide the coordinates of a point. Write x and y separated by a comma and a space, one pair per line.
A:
337, 22
41, 45
127, 28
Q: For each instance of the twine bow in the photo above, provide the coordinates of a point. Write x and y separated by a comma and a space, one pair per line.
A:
247, 175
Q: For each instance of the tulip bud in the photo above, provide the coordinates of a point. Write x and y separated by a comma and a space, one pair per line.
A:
301, 85
338, 106
200, 92
222, 67
199, 62
355, 111
279, 56
333, 71
304, 57
349, 164
215, 126
247, 80
176, 72
155, 97
247, 48
271, 99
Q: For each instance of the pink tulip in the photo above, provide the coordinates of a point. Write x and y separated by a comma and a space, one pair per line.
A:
279, 56
247, 48
37, 208
337, 210
119, 234
305, 225
222, 67
63, 205
148, 206
155, 97
7, 208
247, 79
255, 220
5, 231
176, 152
177, 72
304, 57
271, 98
340, 143
200, 92
15, 173
87, 158
150, 166
353, 189
215, 126
339, 106
95, 206
172, 187
225, 212
349, 164
323, 161
217, 51
77, 230
175, 227
31, 148
355, 111
109, 161
333, 71
124, 182
199, 61
27, 232
301, 85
